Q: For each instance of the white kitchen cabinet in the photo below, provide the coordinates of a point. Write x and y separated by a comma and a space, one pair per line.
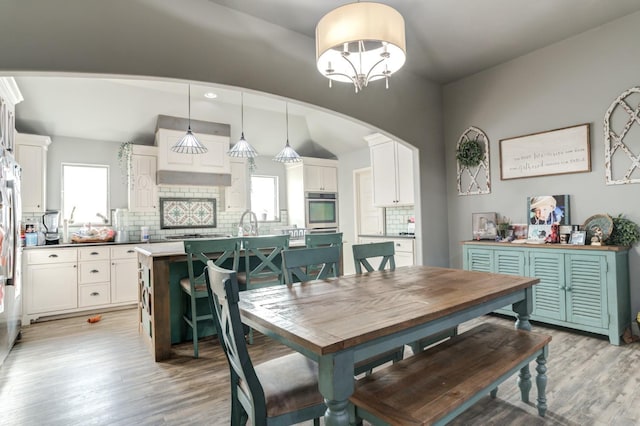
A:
320, 178
31, 154
124, 274
51, 278
143, 191
215, 160
93, 276
392, 169
403, 248
235, 196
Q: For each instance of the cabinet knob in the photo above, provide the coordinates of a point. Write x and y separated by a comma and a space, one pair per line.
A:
95, 293
53, 255
130, 251
94, 253
94, 271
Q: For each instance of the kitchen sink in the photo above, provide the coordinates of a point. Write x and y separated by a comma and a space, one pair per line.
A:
195, 236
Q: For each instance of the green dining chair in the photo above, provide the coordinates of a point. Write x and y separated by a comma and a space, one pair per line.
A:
307, 264
199, 252
262, 261
281, 391
331, 239
363, 252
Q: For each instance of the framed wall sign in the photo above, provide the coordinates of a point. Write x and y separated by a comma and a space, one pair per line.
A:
553, 152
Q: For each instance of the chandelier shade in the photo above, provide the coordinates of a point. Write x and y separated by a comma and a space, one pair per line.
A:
288, 154
360, 42
189, 144
242, 148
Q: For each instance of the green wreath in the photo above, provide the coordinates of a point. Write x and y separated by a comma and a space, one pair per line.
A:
470, 153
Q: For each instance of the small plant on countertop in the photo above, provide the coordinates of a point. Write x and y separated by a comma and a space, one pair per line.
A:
124, 159
470, 153
504, 223
625, 232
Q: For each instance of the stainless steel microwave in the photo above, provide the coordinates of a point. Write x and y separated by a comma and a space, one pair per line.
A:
321, 210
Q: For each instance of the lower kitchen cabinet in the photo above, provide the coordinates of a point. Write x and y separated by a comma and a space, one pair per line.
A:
68, 280
581, 287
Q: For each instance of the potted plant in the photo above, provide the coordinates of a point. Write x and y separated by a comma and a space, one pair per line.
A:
625, 232
124, 159
503, 227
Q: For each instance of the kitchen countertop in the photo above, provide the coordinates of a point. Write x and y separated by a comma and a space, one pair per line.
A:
106, 243
412, 237
174, 248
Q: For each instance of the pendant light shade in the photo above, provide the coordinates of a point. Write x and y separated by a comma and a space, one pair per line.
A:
242, 148
189, 144
360, 42
288, 154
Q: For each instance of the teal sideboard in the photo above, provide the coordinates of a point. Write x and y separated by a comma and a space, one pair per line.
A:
581, 287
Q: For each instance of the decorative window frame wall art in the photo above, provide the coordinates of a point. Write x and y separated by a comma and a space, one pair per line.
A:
621, 140
484, 226
176, 213
474, 180
553, 152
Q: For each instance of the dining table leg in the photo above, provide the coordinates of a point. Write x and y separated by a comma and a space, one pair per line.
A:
523, 310
336, 384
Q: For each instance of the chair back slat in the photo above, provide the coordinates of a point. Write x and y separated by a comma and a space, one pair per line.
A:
267, 250
200, 251
310, 264
363, 252
333, 239
223, 293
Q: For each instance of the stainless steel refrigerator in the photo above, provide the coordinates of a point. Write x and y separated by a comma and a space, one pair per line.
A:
10, 253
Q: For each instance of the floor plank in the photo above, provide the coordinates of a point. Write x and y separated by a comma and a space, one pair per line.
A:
70, 372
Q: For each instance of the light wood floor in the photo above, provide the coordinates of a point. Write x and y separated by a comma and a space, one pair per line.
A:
69, 372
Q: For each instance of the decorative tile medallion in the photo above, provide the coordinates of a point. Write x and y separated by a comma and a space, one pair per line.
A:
187, 213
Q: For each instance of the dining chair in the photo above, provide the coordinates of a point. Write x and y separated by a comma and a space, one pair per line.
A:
331, 239
363, 252
281, 391
199, 252
307, 264
262, 261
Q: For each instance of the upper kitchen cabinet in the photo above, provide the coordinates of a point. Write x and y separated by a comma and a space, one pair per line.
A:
235, 196
315, 174
142, 179
214, 136
31, 154
392, 169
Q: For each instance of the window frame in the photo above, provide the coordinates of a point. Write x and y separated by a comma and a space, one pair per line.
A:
276, 206
79, 221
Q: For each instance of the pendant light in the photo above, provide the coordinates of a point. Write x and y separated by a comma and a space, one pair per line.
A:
242, 148
288, 154
188, 144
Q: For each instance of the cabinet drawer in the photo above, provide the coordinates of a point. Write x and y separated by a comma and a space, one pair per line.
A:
93, 253
93, 272
93, 294
39, 256
405, 245
124, 252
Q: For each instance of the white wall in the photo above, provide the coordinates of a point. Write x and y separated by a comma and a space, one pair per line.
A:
569, 83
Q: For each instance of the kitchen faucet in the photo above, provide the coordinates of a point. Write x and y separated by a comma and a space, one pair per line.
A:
253, 223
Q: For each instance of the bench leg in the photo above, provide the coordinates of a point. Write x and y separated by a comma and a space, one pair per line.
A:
524, 382
541, 382
494, 393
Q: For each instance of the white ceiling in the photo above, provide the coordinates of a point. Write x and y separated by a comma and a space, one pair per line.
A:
446, 40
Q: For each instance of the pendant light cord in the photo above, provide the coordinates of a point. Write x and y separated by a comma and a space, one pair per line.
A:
286, 105
189, 106
242, 112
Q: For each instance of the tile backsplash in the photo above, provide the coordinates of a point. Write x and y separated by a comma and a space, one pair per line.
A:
396, 219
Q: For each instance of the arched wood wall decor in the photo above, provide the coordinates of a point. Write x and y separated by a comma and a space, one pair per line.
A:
622, 139
474, 180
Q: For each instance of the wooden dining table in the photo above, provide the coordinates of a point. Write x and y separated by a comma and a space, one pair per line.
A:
340, 321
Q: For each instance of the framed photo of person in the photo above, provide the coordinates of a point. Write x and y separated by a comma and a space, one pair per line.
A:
484, 226
578, 238
548, 210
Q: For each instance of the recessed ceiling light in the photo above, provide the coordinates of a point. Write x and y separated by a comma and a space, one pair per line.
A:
210, 95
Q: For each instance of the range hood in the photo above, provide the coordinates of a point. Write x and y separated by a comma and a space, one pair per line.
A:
210, 169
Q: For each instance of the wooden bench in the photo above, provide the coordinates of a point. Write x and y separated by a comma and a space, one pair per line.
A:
436, 385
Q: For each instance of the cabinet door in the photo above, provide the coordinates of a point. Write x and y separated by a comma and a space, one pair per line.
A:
236, 194
124, 281
509, 262
329, 179
549, 294
479, 260
404, 173
586, 290
215, 160
313, 178
142, 185
52, 287
384, 175
32, 160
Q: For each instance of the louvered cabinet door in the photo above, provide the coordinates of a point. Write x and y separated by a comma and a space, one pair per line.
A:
479, 260
586, 286
549, 295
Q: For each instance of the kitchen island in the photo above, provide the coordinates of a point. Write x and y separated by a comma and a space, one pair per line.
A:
162, 265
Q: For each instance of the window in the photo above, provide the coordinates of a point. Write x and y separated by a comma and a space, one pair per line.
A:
264, 197
85, 193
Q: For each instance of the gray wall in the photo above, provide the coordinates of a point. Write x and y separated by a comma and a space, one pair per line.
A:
201, 41
565, 84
